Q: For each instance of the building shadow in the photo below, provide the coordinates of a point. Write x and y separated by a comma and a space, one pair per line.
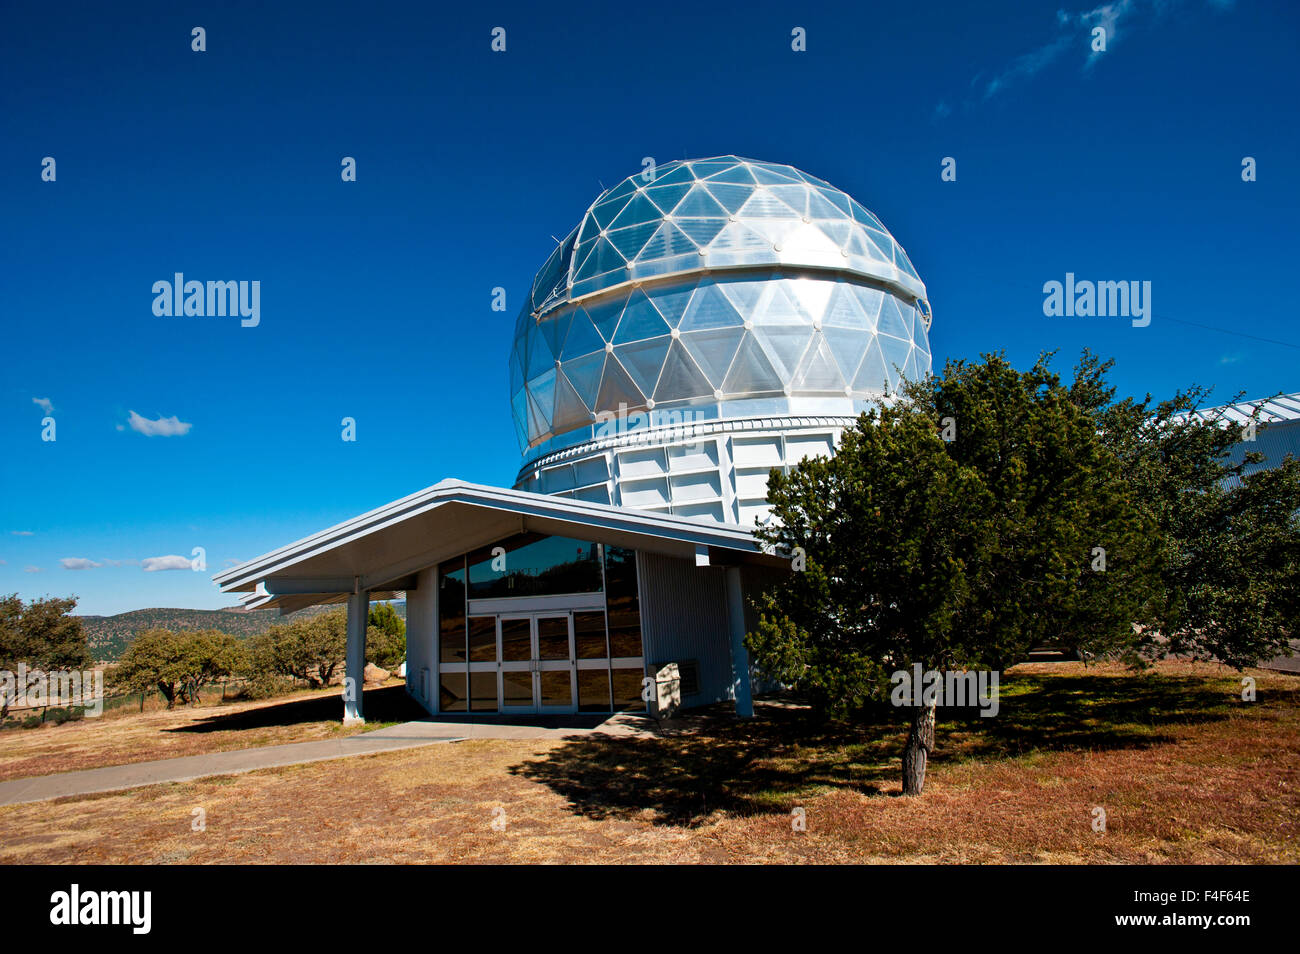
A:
381, 704
765, 765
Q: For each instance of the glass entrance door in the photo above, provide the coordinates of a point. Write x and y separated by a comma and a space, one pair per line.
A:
538, 671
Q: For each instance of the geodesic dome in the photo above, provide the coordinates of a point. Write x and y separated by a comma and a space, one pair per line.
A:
724, 285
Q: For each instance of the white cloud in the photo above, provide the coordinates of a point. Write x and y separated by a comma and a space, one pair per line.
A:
1026, 65
79, 563
1074, 31
31, 569
45, 404
173, 562
120, 562
162, 427
21, 533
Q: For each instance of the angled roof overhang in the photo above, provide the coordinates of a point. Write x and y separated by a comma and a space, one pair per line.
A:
381, 551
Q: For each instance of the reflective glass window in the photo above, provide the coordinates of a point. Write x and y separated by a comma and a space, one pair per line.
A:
621, 602
530, 564
451, 611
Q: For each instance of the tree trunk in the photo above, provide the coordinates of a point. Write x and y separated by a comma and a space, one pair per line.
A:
920, 743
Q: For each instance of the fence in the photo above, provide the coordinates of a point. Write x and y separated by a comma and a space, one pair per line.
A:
33, 716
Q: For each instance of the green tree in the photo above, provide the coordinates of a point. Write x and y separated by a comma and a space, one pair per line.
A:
951, 553
42, 633
1229, 540
177, 664
309, 649
385, 637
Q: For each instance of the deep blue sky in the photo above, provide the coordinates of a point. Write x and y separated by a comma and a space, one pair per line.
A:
376, 294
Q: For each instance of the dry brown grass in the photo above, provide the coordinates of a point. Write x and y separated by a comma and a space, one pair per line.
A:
122, 738
1186, 772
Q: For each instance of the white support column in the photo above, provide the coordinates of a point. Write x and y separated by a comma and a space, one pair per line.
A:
739, 654
358, 617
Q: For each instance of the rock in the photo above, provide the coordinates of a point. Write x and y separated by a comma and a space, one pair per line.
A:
374, 674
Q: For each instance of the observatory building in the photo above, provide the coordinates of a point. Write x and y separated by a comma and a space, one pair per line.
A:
699, 327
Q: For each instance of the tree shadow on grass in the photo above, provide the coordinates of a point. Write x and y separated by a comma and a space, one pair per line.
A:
383, 704
744, 767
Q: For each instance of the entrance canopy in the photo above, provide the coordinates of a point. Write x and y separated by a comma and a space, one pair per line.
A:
380, 552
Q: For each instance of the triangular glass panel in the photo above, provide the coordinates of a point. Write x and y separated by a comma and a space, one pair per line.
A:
540, 356
737, 237
847, 346
713, 351
570, 412
891, 322
538, 421
583, 337
554, 328
779, 307
667, 242
837, 231
909, 318
643, 360
730, 197
638, 211
603, 258
698, 204
871, 374
516, 370
871, 300
818, 371
858, 245
903, 262
678, 172
604, 316
744, 294
837, 199
666, 197
751, 372
630, 241
622, 190
616, 388
764, 205
819, 207
519, 404
584, 374
785, 346
542, 388
737, 175
865, 217
606, 212
795, 196
895, 353
707, 167
701, 231
774, 175
672, 301
641, 320
681, 379
709, 308
844, 310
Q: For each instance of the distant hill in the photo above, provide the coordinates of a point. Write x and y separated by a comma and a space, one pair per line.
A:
108, 636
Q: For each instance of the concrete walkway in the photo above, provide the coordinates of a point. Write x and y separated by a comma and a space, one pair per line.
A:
115, 777
405, 736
